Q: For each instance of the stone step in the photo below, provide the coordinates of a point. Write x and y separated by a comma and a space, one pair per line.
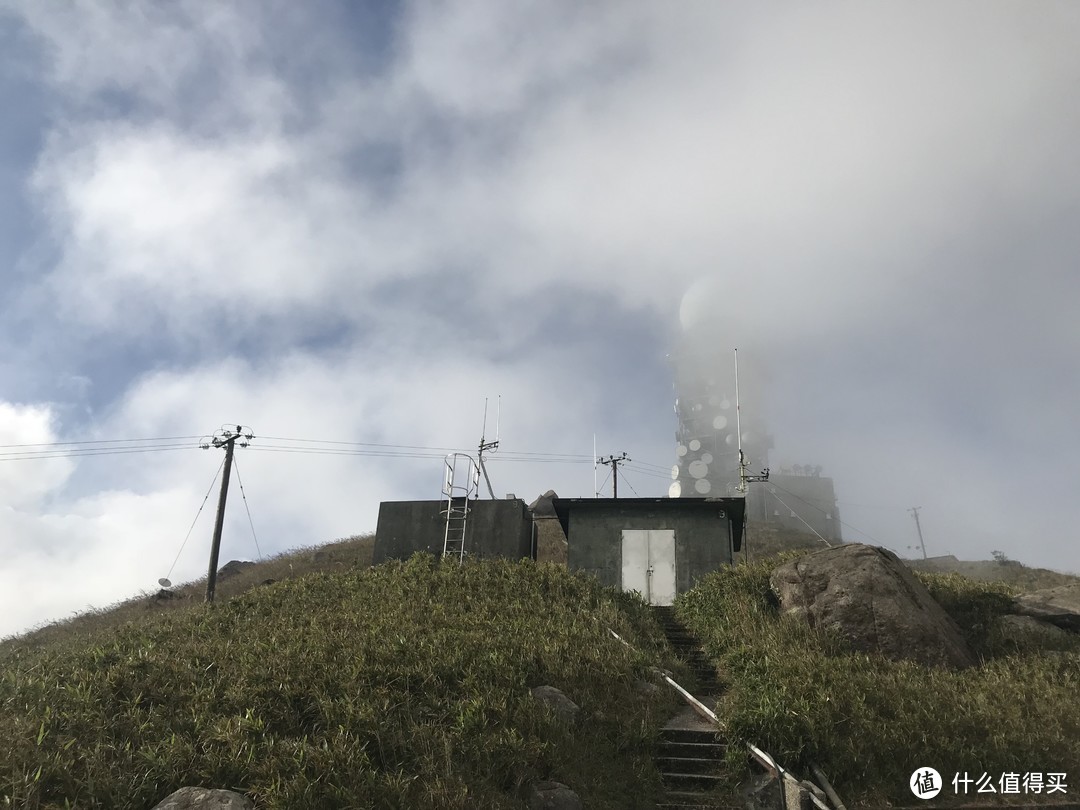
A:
690, 735
690, 782
693, 750
689, 765
680, 800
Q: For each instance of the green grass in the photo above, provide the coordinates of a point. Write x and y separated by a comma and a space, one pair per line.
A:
404, 685
341, 555
868, 722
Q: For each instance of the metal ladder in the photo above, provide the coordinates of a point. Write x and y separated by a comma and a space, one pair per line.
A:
457, 497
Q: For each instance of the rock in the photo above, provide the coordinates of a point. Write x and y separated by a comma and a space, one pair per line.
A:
1059, 606
233, 567
542, 506
553, 796
1027, 629
196, 798
869, 596
646, 688
268, 582
164, 594
563, 707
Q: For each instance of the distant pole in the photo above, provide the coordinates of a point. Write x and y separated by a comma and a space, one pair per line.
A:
596, 464
613, 462
224, 438
915, 512
486, 445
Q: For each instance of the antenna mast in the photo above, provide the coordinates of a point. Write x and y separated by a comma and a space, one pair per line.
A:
486, 445
744, 477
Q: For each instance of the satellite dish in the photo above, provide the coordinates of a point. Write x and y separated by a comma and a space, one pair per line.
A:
675, 490
703, 485
164, 582
695, 445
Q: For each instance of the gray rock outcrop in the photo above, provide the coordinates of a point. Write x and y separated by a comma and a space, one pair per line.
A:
556, 700
869, 596
553, 796
542, 506
1026, 629
197, 798
1059, 606
233, 567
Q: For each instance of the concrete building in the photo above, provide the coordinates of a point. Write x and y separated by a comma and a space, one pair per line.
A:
659, 547
493, 529
798, 498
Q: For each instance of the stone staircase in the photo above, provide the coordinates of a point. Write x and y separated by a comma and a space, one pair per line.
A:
691, 751
688, 649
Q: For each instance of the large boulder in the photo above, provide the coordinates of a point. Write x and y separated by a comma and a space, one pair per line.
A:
869, 596
197, 798
1059, 606
553, 796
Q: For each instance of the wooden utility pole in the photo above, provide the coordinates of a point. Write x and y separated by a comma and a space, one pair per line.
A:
613, 462
226, 438
915, 512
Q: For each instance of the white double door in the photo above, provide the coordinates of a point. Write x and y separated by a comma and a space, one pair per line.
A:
648, 564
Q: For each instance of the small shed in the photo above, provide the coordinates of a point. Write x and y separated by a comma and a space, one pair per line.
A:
492, 529
659, 547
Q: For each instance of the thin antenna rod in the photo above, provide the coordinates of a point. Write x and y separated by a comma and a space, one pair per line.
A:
738, 427
595, 465
486, 445
498, 418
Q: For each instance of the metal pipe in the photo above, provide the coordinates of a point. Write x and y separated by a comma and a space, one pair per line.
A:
828, 788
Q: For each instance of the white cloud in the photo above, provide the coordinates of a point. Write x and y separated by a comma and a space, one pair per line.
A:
879, 201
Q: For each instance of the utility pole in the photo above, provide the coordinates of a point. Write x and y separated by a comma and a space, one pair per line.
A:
489, 446
227, 438
915, 512
613, 462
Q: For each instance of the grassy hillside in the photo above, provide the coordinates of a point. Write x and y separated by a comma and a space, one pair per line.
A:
869, 722
405, 685
341, 555
1007, 571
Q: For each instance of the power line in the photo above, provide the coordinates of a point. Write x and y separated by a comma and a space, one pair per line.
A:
165, 579
800, 517
823, 511
243, 495
76, 452
100, 441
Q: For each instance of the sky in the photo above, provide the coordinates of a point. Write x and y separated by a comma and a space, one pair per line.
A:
355, 223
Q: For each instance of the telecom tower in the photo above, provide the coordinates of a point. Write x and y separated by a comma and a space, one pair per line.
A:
707, 460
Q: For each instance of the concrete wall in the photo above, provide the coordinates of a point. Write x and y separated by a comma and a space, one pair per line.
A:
812, 499
703, 537
494, 529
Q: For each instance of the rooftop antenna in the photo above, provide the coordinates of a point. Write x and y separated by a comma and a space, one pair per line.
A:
744, 477
490, 446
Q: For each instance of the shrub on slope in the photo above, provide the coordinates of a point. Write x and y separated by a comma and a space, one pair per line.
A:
868, 722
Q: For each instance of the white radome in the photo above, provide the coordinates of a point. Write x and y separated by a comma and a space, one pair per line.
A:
675, 490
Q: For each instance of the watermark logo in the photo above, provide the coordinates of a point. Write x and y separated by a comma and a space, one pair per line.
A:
925, 783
